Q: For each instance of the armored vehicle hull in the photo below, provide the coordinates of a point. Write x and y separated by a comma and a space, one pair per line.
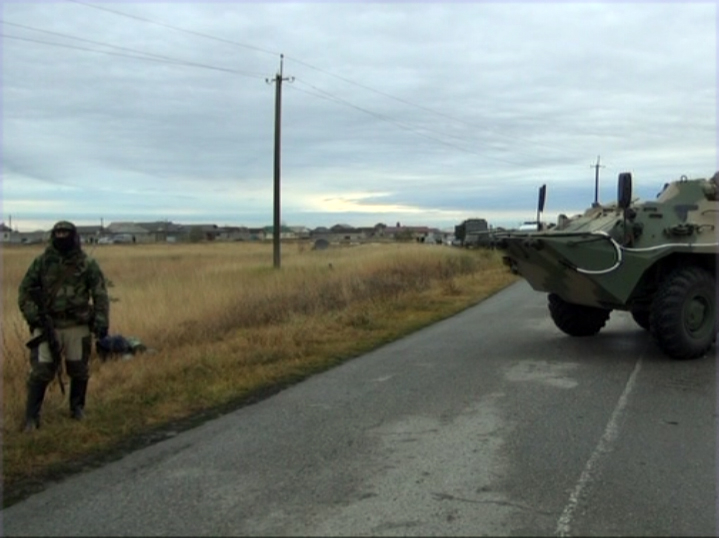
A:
654, 259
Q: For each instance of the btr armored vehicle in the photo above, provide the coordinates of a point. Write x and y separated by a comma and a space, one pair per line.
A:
655, 259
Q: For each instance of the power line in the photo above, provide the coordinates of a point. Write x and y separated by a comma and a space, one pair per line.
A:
155, 57
259, 49
187, 63
145, 55
404, 101
421, 107
334, 98
191, 32
83, 48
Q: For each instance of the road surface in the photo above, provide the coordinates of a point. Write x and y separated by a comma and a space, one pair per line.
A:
489, 423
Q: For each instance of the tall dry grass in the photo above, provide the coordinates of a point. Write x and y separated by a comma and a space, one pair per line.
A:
223, 324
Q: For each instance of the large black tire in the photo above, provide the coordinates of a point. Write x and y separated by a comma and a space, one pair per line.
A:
575, 319
643, 317
683, 315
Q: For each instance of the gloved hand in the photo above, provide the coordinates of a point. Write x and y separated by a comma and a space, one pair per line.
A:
100, 332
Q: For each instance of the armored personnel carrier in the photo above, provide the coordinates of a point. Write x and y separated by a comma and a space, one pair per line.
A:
655, 259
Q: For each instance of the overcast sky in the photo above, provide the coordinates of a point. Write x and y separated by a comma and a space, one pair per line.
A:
419, 113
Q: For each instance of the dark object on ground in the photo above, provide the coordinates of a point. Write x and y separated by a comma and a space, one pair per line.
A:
117, 346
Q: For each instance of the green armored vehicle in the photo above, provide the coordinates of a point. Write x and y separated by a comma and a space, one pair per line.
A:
656, 259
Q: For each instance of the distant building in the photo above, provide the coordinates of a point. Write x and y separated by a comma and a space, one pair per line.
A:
407, 233
170, 232
257, 234
90, 234
6, 232
301, 232
127, 232
202, 232
234, 233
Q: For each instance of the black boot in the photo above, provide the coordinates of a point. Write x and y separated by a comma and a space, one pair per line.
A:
78, 388
35, 396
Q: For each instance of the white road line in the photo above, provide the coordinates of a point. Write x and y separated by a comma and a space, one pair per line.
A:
605, 444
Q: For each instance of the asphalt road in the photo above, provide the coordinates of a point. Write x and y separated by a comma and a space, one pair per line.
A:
489, 423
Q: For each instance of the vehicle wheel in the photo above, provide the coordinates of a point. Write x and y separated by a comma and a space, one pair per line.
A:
683, 315
575, 319
641, 316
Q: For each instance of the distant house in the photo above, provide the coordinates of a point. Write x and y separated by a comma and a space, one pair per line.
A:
301, 232
407, 233
285, 232
202, 232
367, 232
6, 232
257, 234
321, 232
90, 234
164, 231
30, 238
346, 233
435, 237
126, 232
341, 233
233, 233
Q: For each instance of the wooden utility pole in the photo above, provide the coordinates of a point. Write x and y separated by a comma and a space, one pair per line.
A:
596, 181
278, 123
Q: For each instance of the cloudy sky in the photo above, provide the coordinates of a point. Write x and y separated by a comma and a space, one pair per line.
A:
420, 113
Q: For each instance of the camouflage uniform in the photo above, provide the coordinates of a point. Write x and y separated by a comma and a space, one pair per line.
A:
70, 279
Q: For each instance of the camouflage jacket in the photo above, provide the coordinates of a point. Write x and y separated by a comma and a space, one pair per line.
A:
82, 281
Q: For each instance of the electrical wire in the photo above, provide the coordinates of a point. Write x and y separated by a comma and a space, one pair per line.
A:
321, 93
191, 32
155, 57
334, 98
144, 55
422, 107
404, 101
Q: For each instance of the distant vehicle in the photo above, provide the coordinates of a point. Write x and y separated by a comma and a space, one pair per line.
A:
473, 233
122, 238
656, 260
30, 240
115, 239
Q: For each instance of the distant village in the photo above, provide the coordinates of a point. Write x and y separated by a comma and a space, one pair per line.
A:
170, 232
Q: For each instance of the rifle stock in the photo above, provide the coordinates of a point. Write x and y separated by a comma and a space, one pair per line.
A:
36, 341
47, 333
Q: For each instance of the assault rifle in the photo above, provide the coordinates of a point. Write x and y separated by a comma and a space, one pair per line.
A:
47, 334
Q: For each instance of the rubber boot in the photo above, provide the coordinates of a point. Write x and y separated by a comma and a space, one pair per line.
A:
78, 388
35, 396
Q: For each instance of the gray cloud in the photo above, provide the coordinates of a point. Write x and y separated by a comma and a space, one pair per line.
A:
427, 113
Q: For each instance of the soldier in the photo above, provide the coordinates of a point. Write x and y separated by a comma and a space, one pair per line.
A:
68, 280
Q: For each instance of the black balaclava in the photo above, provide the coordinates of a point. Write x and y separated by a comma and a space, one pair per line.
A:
65, 244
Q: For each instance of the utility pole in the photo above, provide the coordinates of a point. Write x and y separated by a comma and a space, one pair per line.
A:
278, 123
596, 181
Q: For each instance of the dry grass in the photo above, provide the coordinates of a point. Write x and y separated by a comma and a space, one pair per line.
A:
226, 325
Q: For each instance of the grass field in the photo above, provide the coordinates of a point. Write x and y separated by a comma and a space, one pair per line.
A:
224, 328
